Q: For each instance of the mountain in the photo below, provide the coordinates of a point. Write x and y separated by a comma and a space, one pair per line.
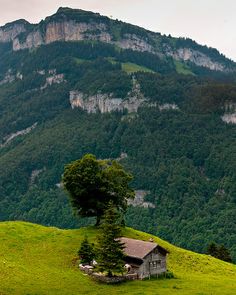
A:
170, 122
76, 25
39, 259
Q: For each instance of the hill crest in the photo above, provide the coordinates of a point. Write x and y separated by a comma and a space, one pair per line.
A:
36, 258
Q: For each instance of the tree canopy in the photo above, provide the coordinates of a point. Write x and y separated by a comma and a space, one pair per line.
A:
92, 183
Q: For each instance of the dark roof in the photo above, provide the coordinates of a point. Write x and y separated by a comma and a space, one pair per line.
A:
139, 249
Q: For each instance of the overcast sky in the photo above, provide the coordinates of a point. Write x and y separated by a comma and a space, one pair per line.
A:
210, 22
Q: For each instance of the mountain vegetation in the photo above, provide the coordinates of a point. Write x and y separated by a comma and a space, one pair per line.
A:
180, 151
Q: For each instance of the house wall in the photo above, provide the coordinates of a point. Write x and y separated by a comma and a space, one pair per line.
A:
154, 264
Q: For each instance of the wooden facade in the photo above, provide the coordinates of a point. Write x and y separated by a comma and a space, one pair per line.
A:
146, 259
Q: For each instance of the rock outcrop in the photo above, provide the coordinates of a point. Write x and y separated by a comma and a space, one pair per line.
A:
10, 77
230, 113
10, 31
132, 41
7, 139
33, 39
196, 57
106, 103
138, 200
103, 103
53, 79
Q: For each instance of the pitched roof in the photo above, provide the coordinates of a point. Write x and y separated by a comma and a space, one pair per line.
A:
138, 248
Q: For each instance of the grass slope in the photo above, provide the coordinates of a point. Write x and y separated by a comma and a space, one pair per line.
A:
182, 68
39, 260
129, 68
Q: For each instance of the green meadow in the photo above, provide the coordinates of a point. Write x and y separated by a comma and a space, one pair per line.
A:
42, 260
129, 68
182, 68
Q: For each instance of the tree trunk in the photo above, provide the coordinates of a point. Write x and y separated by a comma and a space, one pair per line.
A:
98, 220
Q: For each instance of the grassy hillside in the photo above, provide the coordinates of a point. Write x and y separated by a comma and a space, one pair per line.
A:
39, 260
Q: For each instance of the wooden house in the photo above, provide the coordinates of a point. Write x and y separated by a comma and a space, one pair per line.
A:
144, 258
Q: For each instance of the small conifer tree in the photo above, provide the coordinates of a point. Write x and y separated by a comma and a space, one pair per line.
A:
212, 250
220, 252
109, 251
224, 254
86, 252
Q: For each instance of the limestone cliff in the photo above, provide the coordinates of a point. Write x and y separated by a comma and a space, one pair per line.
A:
106, 103
103, 103
76, 25
196, 57
10, 31
73, 31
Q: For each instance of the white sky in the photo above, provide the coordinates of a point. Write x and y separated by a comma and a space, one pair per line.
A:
209, 22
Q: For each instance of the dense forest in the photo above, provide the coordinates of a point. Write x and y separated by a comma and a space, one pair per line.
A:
184, 157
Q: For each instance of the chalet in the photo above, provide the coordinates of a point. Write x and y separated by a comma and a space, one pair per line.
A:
144, 258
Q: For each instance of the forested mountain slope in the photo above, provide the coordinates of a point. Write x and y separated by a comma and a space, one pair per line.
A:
171, 123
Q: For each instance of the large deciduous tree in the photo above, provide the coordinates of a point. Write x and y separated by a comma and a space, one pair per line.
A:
92, 183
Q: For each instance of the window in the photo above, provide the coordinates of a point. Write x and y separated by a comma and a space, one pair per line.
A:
155, 264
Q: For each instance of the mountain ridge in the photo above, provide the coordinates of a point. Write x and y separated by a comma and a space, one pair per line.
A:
75, 25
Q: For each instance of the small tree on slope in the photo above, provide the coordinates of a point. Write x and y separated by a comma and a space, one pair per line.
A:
109, 252
220, 252
86, 252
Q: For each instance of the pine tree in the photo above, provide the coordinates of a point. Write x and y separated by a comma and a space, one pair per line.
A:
220, 252
224, 254
212, 250
109, 252
86, 252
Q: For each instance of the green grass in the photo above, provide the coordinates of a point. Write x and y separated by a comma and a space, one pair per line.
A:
39, 260
112, 60
182, 68
129, 68
80, 60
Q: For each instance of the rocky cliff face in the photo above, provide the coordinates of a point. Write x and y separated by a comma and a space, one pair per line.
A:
33, 39
9, 32
196, 57
63, 31
103, 103
132, 41
64, 26
72, 31
106, 103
